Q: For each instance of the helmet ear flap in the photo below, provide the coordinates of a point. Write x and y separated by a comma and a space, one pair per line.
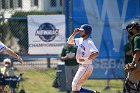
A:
88, 32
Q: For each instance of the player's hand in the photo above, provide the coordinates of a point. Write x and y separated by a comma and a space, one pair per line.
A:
76, 30
129, 67
20, 60
64, 58
81, 59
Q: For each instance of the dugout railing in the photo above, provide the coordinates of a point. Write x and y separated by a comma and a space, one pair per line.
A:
32, 60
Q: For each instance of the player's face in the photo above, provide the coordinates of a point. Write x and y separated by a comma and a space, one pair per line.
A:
133, 32
7, 64
82, 33
69, 45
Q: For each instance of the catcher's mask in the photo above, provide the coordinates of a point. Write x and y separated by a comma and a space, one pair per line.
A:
87, 28
131, 25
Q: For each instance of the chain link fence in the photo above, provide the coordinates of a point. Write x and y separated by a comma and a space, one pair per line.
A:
14, 28
14, 33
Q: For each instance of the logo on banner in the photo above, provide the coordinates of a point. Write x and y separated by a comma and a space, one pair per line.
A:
47, 32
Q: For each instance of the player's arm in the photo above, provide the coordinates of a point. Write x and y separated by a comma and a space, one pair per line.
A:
71, 38
93, 50
64, 58
136, 56
127, 50
93, 56
132, 66
10, 52
129, 53
63, 55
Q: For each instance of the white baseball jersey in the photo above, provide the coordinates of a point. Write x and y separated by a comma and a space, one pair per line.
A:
2, 46
85, 49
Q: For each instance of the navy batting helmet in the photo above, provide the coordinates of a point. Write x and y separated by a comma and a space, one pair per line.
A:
87, 28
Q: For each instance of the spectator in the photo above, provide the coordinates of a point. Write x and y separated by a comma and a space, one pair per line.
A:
107, 82
6, 71
109, 74
71, 66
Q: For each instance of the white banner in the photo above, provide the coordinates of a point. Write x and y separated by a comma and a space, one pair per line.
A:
46, 34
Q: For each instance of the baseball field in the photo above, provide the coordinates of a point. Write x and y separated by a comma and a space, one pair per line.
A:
40, 81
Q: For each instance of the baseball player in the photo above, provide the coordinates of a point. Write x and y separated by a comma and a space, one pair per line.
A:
5, 50
71, 65
86, 52
132, 83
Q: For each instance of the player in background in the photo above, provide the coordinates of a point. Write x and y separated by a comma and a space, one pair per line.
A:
132, 83
71, 66
86, 52
5, 50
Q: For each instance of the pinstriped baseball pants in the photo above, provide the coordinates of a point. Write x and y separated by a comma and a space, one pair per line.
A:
83, 73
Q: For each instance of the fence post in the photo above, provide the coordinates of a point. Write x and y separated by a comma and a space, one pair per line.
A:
48, 63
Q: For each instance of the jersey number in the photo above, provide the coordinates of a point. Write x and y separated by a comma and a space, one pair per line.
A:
83, 53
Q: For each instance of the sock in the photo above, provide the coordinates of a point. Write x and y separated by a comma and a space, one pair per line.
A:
76, 91
84, 90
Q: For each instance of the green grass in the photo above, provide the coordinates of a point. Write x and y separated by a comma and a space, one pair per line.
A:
116, 85
41, 82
